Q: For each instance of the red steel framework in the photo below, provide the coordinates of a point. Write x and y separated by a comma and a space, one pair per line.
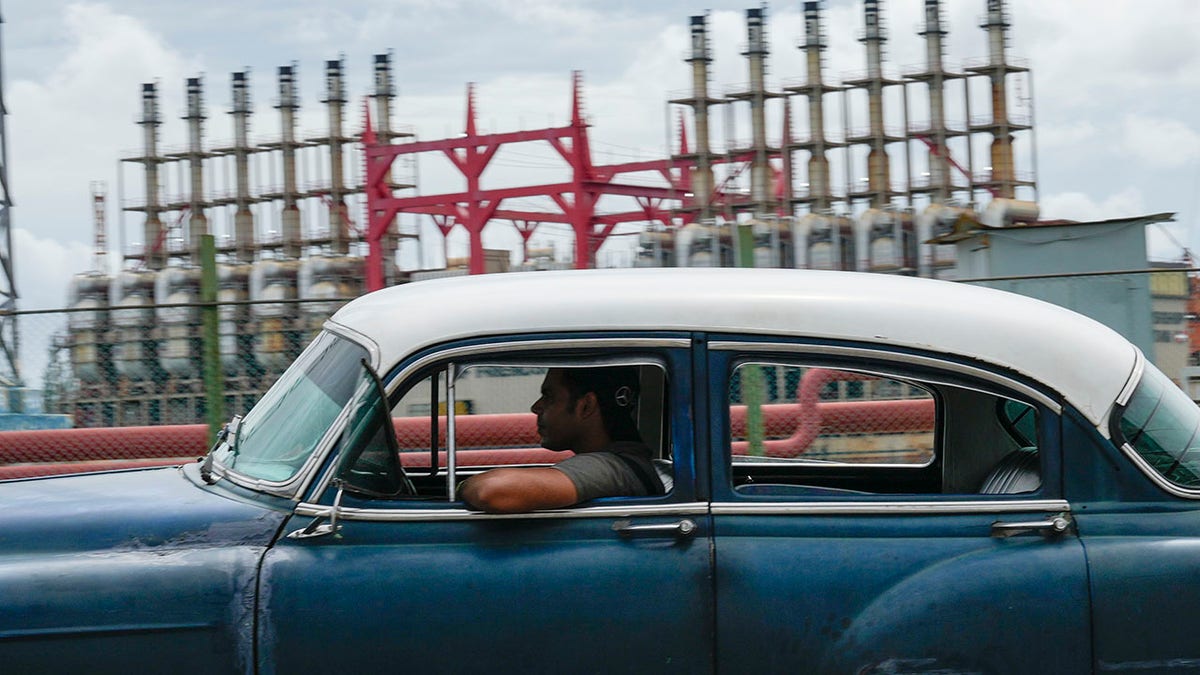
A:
475, 207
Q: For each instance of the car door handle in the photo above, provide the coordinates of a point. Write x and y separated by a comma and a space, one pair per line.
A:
682, 528
1050, 527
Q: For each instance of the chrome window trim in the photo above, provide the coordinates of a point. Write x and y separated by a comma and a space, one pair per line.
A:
1135, 377
462, 514
535, 345
863, 508
357, 338
881, 355
456, 353
1157, 478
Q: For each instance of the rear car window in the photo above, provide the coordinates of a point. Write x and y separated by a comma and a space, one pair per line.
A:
1161, 424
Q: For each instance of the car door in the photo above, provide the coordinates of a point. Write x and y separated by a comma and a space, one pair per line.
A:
1139, 521
881, 512
422, 584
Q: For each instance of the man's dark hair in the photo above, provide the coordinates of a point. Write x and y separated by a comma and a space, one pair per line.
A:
616, 389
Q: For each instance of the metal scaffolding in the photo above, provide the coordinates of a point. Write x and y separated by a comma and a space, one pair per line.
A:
10, 374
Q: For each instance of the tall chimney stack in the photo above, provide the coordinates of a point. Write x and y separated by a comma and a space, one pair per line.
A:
152, 228
756, 53
878, 173
700, 57
1003, 174
289, 103
939, 162
197, 222
819, 189
335, 98
243, 218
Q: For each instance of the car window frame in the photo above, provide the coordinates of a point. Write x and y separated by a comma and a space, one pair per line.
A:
900, 363
672, 349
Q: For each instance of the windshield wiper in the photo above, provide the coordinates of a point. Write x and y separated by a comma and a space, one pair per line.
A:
206, 466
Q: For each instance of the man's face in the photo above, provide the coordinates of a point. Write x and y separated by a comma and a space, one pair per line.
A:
558, 419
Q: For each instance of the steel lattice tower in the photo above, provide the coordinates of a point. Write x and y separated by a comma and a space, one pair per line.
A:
9, 373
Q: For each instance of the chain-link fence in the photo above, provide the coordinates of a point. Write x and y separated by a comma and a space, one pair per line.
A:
125, 384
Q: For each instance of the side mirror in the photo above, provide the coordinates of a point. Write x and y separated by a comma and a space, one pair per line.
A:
318, 529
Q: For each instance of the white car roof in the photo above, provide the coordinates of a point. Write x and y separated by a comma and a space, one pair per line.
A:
1086, 362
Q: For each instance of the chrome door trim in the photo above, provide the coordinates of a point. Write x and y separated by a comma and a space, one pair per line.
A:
864, 508
881, 355
460, 514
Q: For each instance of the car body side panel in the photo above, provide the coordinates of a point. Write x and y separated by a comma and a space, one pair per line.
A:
510, 595
881, 594
168, 584
1143, 553
1145, 576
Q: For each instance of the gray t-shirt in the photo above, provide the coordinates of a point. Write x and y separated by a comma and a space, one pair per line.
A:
604, 474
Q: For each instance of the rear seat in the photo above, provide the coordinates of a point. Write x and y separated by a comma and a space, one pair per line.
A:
1019, 471
665, 469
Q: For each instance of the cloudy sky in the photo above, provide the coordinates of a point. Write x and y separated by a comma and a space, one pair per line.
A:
1117, 88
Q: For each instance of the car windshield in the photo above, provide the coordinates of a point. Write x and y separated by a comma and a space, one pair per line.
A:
1162, 425
283, 428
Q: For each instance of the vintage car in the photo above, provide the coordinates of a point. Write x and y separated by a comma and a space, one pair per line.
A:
864, 474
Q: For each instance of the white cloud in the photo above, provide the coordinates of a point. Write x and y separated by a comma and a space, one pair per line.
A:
1083, 207
1160, 142
44, 267
67, 129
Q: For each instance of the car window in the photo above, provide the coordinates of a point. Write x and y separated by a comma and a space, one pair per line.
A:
283, 428
811, 429
493, 425
1162, 425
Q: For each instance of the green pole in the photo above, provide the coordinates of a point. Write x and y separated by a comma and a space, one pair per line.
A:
214, 383
752, 376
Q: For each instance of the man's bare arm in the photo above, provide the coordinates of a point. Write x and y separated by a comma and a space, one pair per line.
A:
518, 490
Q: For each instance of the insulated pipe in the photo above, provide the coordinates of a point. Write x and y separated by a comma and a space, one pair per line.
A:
702, 180
384, 94
335, 98
878, 177
1002, 153
818, 163
288, 104
756, 52
939, 165
243, 218
197, 222
152, 228
98, 223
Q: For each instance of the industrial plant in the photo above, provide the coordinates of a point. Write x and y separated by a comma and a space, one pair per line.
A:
869, 172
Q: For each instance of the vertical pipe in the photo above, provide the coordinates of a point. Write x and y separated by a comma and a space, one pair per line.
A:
152, 228
818, 164
970, 144
451, 436
335, 98
939, 163
702, 180
197, 221
243, 218
214, 382
1002, 155
288, 104
384, 94
756, 53
98, 223
879, 180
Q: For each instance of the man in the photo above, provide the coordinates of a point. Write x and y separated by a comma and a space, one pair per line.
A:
589, 411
